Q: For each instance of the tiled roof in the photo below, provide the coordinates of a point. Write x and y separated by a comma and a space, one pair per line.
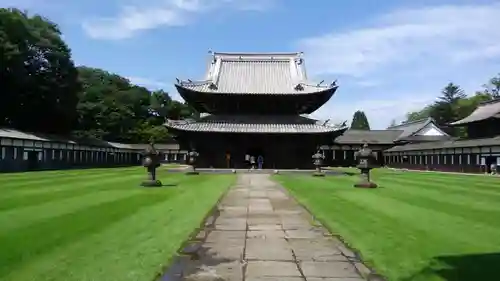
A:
446, 144
371, 136
16, 134
485, 110
254, 124
411, 128
240, 73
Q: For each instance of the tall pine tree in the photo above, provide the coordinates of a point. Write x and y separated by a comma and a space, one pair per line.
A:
359, 121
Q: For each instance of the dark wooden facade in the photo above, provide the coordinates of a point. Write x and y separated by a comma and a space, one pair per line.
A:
21, 151
279, 151
469, 156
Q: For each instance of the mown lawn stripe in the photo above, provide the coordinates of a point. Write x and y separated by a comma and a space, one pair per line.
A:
56, 232
109, 229
406, 227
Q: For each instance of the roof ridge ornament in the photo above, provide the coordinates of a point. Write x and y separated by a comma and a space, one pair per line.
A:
299, 87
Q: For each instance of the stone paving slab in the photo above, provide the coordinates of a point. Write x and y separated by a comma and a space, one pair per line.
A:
257, 269
262, 234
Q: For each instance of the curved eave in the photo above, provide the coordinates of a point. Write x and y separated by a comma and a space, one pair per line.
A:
311, 99
272, 129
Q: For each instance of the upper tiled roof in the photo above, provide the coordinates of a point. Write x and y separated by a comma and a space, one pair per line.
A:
485, 110
253, 124
371, 136
410, 129
258, 73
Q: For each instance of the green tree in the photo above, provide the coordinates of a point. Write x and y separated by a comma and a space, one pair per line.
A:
419, 115
492, 88
445, 110
113, 109
359, 121
39, 80
452, 105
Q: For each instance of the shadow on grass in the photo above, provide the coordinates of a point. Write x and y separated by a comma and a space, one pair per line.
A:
462, 268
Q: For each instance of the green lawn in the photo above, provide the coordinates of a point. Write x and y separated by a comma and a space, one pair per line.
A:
417, 226
98, 224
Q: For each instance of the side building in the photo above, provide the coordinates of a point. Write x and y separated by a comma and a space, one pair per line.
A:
22, 151
341, 152
474, 154
254, 104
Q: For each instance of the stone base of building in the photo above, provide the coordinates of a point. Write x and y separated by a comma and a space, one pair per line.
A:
192, 173
366, 184
151, 183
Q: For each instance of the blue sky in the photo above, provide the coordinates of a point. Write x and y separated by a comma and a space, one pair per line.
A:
389, 56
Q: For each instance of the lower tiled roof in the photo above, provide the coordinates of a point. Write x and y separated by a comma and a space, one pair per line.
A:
495, 141
254, 124
368, 136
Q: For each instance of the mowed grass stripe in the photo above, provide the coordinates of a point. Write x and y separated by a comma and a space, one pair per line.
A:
466, 189
481, 213
13, 220
85, 181
50, 173
405, 226
344, 218
96, 193
483, 183
68, 191
406, 212
35, 239
61, 173
29, 183
136, 247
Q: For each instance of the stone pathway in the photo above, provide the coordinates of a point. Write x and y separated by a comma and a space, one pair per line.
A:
262, 234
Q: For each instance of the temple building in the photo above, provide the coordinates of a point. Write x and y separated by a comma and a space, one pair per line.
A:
341, 151
476, 153
255, 104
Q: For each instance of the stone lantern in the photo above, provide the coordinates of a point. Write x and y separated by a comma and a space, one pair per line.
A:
366, 158
192, 157
151, 161
318, 158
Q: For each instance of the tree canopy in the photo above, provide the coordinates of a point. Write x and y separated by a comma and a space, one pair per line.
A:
39, 80
453, 104
42, 90
359, 121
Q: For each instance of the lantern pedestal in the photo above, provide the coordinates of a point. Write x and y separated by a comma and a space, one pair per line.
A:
318, 173
366, 185
365, 180
151, 183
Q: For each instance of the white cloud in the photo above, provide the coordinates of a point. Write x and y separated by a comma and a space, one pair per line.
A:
442, 34
379, 111
148, 83
408, 51
152, 84
150, 14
